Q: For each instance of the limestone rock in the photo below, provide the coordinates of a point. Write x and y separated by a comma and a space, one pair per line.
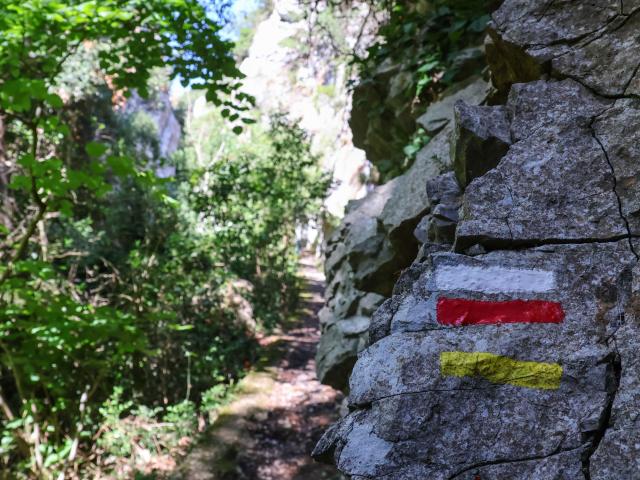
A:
467, 62
461, 379
365, 254
539, 22
359, 225
587, 41
389, 92
603, 64
409, 201
621, 439
509, 63
445, 197
337, 351
369, 304
617, 133
383, 136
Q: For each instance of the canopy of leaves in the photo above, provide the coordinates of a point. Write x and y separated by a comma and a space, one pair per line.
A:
112, 280
38, 36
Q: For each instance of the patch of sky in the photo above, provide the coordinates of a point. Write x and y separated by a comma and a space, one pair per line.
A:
238, 10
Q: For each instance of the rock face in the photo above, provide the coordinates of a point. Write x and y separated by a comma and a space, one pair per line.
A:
481, 139
380, 236
514, 353
167, 131
385, 115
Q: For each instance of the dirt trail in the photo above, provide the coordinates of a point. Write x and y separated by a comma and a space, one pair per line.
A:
279, 413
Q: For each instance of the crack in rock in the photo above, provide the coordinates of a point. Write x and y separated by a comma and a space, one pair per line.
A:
598, 435
559, 451
615, 187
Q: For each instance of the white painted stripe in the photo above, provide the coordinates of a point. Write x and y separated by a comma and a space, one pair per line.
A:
494, 279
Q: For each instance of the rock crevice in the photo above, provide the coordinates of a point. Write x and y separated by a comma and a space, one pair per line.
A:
615, 188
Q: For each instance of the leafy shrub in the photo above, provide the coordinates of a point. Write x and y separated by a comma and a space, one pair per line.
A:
112, 325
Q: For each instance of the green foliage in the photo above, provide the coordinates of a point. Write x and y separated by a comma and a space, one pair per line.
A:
141, 35
426, 47
112, 301
426, 38
327, 90
129, 431
418, 141
254, 200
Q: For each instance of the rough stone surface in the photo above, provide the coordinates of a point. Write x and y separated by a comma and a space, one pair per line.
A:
376, 240
417, 420
440, 114
481, 139
555, 184
364, 255
581, 39
555, 218
390, 93
382, 137
618, 135
445, 197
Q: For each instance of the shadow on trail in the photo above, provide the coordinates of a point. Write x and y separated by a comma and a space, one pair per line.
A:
268, 431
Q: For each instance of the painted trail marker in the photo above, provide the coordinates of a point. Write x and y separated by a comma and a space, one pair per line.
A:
458, 312
494, 279
501, 370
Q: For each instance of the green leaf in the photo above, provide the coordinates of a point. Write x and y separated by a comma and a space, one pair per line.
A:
27, 161
20, 182
121, 166
54, 100
180, 328
96, 149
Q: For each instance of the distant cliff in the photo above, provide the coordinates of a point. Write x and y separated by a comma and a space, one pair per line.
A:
306, 76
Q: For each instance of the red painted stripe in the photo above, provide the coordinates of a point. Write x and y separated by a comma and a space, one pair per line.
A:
459, 312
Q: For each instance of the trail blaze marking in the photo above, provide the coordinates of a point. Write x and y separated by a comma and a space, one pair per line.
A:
501, 370
494, 279
459, 312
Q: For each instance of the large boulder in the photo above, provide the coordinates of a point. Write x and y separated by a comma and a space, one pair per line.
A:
555, 184
440, 114
584, 40
383, 134
385, 112
438, 399
481, 139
